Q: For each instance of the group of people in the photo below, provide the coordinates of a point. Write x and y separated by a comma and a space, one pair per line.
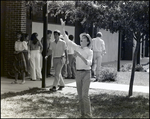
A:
27, 57
82, 61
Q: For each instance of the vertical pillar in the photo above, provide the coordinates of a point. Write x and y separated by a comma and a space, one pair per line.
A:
119, 50
45, 23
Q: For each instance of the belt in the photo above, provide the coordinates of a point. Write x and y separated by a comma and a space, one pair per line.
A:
59, 57
83, 70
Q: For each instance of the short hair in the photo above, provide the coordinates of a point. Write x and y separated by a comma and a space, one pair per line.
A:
57, 31
22, 37
49, 32
26, 35
71, 37
99, 34
88, 40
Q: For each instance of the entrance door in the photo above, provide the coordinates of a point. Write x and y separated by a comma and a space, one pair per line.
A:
126, 48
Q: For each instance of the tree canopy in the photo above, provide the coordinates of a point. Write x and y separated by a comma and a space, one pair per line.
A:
129, 16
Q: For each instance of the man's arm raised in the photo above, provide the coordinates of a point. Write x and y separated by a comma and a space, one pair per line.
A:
66, 39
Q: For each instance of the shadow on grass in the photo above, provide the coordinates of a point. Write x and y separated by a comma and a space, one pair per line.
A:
31, 91
106, 105
103, 105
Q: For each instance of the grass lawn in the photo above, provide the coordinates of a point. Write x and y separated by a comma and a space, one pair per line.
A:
40, 103
140, 78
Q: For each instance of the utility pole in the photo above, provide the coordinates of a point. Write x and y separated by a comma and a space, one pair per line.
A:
45, 24
119, 50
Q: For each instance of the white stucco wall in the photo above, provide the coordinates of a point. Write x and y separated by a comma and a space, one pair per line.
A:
111, 44
38, 27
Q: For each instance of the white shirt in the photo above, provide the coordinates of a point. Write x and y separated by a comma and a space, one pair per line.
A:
70, 49
21, 45
58, 48
86, 52
98, 45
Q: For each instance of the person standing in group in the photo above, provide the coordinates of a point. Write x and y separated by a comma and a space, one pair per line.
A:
64, 71
58, 49
98, 47
49, 58
83, 70
71, 65
36, 48
27, 54
20, 62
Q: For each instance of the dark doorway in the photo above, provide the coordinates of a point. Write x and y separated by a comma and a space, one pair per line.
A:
126, 48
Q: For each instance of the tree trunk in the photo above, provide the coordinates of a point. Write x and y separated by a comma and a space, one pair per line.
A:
133, 68
138, 55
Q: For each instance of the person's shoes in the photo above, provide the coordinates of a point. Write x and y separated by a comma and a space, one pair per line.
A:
53, 89
61, 87
72, 77
33, 79
67, 77
14, 82
95, 80
50, 75
64, 77
22, 82
39, 79
93, 76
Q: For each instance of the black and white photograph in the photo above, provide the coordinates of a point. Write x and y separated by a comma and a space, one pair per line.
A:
74, 59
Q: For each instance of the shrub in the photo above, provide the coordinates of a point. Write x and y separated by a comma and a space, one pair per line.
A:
139, 67
107, 74
126, 67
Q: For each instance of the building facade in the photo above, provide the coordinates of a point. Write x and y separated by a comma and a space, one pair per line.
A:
15, 17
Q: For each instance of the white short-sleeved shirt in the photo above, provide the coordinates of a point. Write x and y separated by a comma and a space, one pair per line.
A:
58, 48
98, 45
21, 45
86, 52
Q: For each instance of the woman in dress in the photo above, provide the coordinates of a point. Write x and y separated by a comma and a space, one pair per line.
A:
19, 60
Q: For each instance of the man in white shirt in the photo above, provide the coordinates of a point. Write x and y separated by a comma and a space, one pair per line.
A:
98, 47
71, 66
58, 49
83, 68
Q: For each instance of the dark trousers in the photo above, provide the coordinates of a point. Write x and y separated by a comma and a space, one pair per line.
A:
27, 62
71, 66
48, 69
49, 59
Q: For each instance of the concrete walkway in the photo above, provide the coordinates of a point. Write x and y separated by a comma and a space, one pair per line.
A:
112, 86
6, 85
